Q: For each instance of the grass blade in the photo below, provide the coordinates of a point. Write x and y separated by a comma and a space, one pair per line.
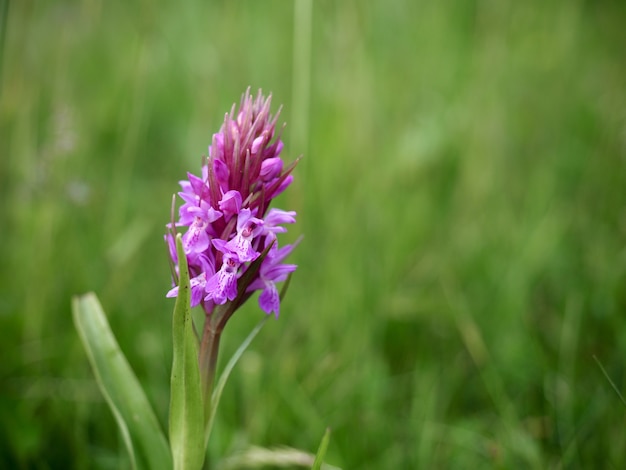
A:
611, 383
321, 451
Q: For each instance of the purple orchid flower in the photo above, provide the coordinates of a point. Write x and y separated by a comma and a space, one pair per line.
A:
227, 216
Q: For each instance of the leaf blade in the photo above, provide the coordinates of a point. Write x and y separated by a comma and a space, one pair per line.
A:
186, 404
141, 432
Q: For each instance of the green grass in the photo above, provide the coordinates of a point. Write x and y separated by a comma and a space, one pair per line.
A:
462, 196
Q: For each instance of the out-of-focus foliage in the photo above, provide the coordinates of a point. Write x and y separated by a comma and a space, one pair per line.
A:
462, 199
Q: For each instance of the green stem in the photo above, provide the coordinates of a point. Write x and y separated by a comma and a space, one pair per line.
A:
207, 359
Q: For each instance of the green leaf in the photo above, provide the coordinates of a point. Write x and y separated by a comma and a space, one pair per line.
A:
186, 408
221, 383
138, 424
321, 451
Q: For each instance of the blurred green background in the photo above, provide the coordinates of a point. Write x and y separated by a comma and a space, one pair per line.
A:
462, 196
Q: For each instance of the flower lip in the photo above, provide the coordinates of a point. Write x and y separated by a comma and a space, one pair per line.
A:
222, 286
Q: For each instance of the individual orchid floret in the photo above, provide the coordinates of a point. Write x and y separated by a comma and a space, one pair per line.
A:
271, 168
271, 272
275, 218
194, 193
230, 204
269, 300
222, 285
197, 238
198, 282
198, 289
247, 228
